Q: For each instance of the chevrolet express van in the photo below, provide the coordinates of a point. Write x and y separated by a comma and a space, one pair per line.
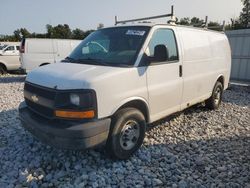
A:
120, 79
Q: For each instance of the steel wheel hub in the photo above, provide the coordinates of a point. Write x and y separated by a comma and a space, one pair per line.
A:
217, 96
129, 135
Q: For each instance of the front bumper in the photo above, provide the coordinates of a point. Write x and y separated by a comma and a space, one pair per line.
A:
65, 134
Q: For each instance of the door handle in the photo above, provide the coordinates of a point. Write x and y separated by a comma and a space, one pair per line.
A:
180, 70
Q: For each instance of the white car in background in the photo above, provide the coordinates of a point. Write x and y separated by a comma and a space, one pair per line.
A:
9, 58
2, 46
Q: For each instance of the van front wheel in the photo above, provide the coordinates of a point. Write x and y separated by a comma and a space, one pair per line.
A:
126, 134
214, 101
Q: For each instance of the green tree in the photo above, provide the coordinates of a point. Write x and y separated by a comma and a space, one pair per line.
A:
61, 31
87, 33
213, 24
17, 35
24, 32
245, 14
49, 29
78, 34
38, 35
196, 21
238, 25
184, 21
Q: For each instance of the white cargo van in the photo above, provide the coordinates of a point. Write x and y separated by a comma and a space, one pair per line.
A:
9, 58
38, 52
122, 78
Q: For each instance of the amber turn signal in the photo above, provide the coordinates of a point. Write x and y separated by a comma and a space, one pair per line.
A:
75, 114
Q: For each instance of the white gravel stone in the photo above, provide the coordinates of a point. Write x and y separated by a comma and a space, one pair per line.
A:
196, 148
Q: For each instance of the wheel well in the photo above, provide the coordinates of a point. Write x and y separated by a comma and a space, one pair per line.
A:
221, 80
44, 64
140, 105
3, 65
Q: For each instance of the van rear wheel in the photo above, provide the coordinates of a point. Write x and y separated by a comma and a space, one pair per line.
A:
214, 101
127, 133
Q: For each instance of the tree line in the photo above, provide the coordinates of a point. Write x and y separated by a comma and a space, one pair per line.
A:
242, 22
63, 31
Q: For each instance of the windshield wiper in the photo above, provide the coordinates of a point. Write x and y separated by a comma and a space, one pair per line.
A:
68, 59
121, 65
93, 61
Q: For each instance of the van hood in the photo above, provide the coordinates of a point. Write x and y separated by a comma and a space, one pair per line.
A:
70, 75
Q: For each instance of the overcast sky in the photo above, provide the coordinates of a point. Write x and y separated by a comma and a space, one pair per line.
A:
35, 14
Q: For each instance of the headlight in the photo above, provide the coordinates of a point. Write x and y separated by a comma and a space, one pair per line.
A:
80, 100
76, 104
74, 99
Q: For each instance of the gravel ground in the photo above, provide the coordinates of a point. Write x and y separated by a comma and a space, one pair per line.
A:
196, 148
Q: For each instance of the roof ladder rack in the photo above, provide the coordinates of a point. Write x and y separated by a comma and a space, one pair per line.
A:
220, 27
146, 18
205, 25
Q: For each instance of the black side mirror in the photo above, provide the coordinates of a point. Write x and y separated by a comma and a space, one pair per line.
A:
160, 53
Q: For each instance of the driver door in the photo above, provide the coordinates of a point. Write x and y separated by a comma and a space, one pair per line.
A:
163, 78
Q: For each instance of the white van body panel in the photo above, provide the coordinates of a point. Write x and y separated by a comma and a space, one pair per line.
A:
45, 51
128, 83
206, 56
163, 83
203, 55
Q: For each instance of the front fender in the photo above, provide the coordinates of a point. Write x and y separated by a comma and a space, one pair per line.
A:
127, 100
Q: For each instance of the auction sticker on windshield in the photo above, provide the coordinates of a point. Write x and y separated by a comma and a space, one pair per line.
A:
135, 32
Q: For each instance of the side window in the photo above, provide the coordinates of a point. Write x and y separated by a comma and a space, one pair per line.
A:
10, 48
17, 47
167, 38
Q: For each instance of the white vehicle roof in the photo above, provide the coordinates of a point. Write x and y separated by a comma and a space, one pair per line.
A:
48, 39
152, 24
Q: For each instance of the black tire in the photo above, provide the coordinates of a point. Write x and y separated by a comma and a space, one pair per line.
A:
127, 133
44, 64
2, 70
215, 100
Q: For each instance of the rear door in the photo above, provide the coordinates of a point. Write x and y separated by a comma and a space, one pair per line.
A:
198, 66
163, 78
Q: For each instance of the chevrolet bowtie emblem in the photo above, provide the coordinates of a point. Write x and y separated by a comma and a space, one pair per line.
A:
34, 98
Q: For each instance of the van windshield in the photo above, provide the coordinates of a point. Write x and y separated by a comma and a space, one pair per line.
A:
118, 46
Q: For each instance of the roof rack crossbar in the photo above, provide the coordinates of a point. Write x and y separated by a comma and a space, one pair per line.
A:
205, 24
146, 18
